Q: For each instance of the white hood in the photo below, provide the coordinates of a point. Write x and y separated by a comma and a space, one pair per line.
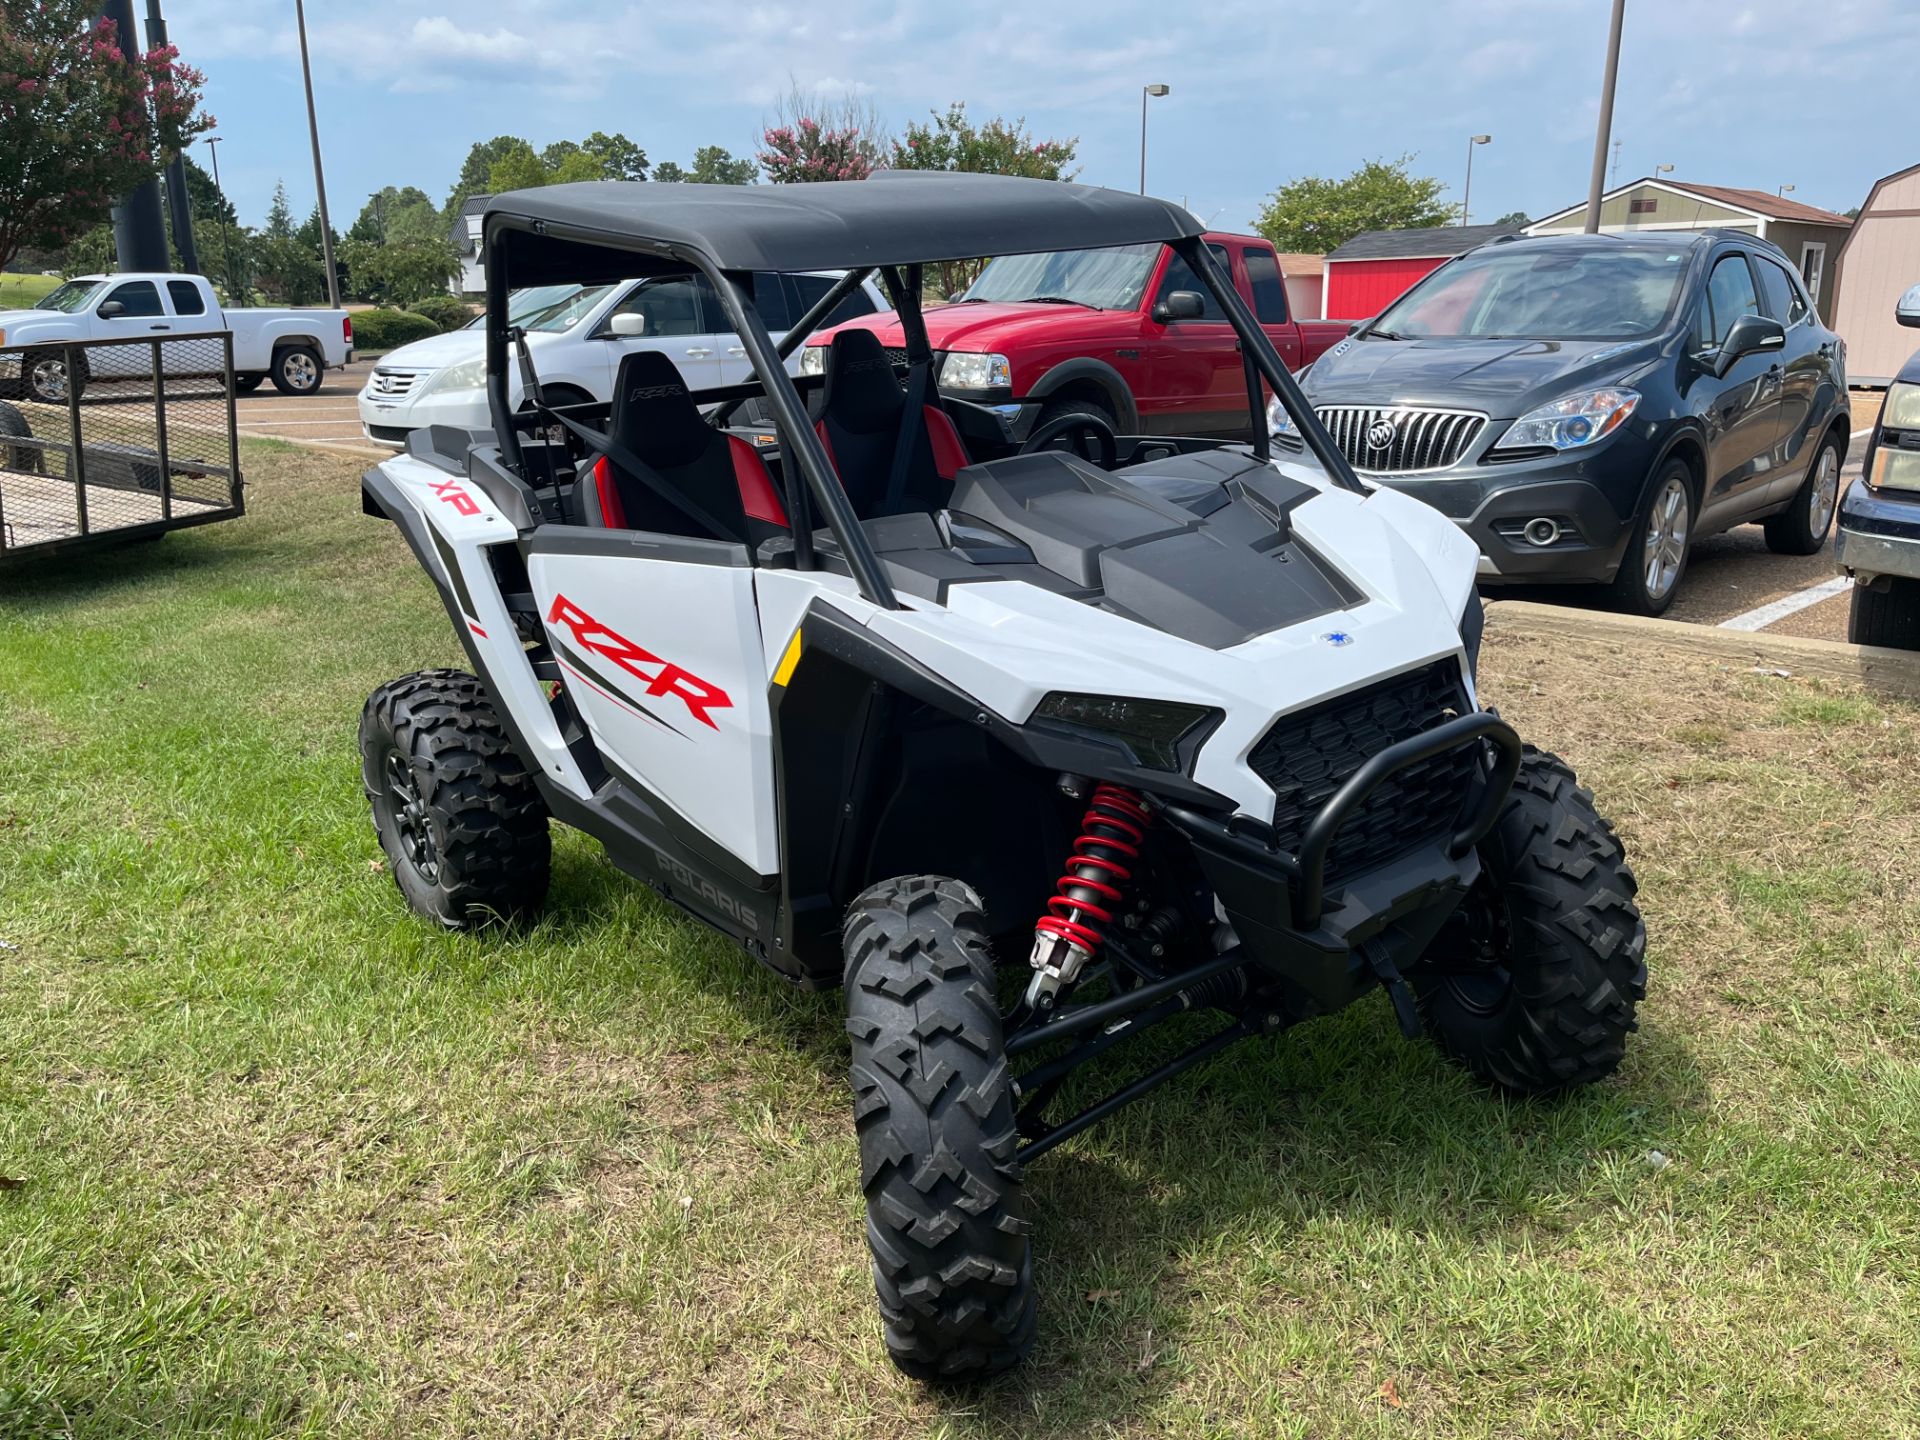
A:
455, 346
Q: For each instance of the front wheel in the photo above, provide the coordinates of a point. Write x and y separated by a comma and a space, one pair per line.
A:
48, 378
297, 370
1534, 983
464, 829
247, 384
1656, 557
933, 1105
1886, 612
1801, 528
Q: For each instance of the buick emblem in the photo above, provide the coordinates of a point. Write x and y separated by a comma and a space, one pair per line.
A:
1380, 434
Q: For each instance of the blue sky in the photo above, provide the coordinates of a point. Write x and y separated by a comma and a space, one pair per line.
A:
1752, 95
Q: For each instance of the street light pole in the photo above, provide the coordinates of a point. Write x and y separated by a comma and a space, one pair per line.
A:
1466, 196
319, 173
1145, 91
1781, 192
1598, 183
226, 230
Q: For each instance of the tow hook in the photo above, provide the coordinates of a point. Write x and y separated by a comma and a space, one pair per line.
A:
1398, 991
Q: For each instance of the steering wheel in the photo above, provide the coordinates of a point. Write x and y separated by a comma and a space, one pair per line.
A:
1082, 426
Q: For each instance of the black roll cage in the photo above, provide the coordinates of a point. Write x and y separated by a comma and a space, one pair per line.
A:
802, 448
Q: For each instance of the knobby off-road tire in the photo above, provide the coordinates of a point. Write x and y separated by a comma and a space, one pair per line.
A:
1563, 945
952, 1263
463, 828
1886, 613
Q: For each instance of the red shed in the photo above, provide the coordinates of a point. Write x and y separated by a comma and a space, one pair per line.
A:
1373, 270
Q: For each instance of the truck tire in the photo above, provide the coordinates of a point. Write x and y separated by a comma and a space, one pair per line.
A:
22, 459
1801, 528
1887, 612
1533, 985
44, 376
463, 828
298, 370
247, 384
952, 1263
1055, 409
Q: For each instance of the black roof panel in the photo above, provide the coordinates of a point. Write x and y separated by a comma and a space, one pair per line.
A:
895, 218
1428, 241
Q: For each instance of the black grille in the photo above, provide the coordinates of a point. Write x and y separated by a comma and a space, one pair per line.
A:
1305, 757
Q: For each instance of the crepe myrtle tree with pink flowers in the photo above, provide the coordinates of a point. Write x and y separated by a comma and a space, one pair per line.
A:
812, 136
79, 126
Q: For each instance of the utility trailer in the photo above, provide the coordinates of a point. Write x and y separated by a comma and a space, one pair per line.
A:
132, 459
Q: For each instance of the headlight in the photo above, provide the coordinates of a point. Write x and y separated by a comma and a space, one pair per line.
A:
467, 375
1897, 468
1280, 424
967, 371
1571, 421
813, 360
1151, 729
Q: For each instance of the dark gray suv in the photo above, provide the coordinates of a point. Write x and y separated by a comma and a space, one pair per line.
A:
1586, 406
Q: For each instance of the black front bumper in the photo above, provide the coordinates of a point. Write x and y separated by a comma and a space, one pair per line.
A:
1279, 903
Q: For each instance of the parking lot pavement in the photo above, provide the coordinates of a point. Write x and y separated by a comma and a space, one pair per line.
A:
329, 418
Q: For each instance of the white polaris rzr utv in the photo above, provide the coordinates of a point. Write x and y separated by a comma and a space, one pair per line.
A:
896, 702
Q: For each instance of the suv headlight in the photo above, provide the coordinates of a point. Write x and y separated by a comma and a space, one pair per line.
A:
1151, 729
467, 375
1897, 468
965, 370
1280, 424
1571, 421
813, 360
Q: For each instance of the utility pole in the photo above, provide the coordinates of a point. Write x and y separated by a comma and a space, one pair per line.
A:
226, 231
1596, 185
319, 172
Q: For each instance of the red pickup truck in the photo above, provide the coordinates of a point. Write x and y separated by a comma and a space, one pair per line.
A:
1128, 333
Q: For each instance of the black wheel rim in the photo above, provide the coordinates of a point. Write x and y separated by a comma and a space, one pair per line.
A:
1481, 977
410, 825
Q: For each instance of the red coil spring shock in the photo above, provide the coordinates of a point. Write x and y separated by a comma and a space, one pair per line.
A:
1102, 862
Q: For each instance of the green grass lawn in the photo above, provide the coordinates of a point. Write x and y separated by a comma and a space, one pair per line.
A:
280, 1159
18, 292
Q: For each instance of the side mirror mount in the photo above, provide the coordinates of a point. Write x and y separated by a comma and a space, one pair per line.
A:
109, 309
1907, 312
1357, 326
628, 324
1180, 305
1750, 335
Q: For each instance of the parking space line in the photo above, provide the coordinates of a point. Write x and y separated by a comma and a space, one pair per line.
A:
1765, 615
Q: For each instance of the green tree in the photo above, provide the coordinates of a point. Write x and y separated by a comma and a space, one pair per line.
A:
79, 124
712, 165
1513, 217
286, 257
999, 147
477, 170
400, 272
577, 167
619, 157
1316, 215
517, 168
398, 215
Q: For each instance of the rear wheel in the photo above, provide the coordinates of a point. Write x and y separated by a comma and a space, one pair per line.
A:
1887, 612
297, 370
1534, 984
1656, 558
1801, 528
22, 458
952, 1264
464, 829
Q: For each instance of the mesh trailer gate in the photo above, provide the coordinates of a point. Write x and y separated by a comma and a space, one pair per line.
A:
107, 441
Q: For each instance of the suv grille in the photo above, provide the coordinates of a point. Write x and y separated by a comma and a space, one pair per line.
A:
1305, 757
1420, 439
394, 384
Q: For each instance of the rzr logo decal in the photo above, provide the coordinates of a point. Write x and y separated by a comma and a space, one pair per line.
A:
663, 677
450, 491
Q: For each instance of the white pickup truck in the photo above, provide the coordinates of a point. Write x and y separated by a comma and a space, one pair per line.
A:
292, 348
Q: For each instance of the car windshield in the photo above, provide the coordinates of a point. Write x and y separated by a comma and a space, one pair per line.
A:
70, 297
1112, 279
552, 309
1514, 293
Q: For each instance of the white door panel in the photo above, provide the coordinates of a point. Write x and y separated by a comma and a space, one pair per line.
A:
663, 660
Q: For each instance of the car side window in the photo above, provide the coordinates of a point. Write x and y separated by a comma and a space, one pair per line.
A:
674, 306
1730, 295
1269, 286
1784, 300
1179, 276
186, 298
808, 289
137, 298
771, 300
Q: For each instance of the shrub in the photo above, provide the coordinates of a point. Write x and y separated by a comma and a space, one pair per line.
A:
389, 329
444, 310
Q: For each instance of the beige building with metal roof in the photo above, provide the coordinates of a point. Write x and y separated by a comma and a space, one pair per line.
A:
1880, 260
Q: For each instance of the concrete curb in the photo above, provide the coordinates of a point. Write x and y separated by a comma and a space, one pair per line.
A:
1891, 672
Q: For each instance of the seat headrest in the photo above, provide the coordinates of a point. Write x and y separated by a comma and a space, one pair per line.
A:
862, 395
652, 413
